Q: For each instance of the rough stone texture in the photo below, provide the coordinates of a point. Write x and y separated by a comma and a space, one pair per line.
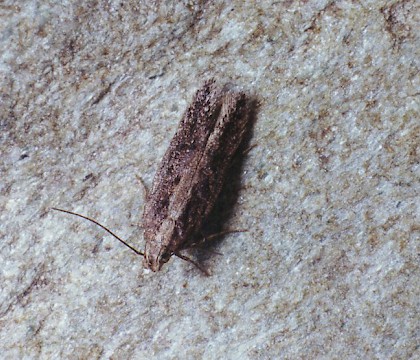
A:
91, 93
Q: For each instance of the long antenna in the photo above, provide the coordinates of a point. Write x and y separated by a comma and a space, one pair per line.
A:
103, 227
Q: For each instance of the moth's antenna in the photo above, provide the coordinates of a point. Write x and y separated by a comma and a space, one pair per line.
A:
103, 227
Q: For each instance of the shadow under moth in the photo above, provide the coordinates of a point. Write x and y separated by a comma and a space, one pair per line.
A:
191, 174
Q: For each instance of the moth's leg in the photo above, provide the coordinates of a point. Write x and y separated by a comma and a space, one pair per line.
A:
221, 233
145, 194
145, 189
200, 245
204, 239
196, 264
248, 149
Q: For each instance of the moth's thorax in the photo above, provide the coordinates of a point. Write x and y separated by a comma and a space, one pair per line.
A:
158, 245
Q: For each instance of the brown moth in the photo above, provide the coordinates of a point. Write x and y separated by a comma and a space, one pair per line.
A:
191, 174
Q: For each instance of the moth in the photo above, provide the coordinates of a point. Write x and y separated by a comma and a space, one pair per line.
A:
191, 174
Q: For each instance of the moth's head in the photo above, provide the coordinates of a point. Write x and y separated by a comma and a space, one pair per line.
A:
155, 257
159, 245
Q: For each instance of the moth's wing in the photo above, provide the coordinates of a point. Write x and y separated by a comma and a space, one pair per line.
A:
201, 188
221, 147
184, 151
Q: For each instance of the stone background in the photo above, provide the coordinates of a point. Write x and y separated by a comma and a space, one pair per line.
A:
91, 93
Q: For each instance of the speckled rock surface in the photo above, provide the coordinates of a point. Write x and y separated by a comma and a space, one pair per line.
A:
90, 97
